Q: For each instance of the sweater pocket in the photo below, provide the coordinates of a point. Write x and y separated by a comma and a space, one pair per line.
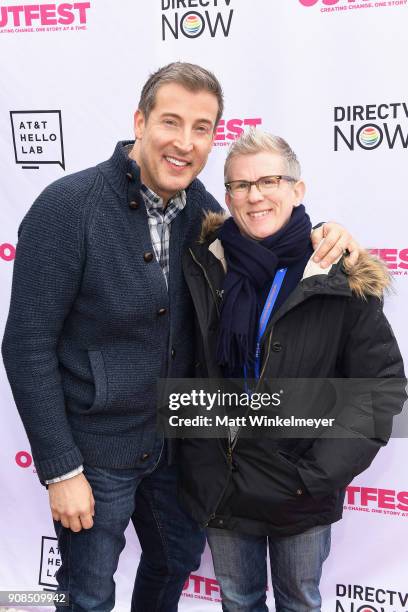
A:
100, 381
125, 380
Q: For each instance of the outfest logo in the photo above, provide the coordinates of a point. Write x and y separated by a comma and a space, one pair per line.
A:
7, 251
361, 598
335, 6
201, 587
23, 18
228, 130
370, 126
389, 502
23, 459
210, 17
395, 259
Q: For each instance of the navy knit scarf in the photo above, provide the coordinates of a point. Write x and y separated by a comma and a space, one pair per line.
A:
250, 265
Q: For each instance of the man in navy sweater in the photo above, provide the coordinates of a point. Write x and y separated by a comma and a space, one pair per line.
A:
99, 311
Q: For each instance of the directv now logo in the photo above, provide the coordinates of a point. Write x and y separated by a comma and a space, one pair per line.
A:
370, 126
213, 17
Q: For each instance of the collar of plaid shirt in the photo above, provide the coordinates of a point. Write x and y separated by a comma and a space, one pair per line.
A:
159, 220
154, 203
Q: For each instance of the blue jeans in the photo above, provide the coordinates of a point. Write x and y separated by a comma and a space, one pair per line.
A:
296, 568
171, 541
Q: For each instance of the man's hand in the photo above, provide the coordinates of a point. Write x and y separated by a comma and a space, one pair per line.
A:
72, 503
336, 240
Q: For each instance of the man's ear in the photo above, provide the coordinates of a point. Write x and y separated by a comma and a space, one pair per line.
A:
300, 190
139, 124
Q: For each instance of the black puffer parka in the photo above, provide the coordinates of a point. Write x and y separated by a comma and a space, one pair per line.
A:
331, 326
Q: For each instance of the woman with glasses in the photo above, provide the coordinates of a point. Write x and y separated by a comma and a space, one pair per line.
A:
265, 311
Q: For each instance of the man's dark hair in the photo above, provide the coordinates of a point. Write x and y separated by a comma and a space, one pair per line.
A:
190, 76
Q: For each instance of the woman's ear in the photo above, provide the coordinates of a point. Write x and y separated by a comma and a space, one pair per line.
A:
300, 190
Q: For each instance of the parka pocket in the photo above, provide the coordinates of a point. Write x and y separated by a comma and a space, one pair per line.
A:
288, 458
100, 381
267, 489
286, 472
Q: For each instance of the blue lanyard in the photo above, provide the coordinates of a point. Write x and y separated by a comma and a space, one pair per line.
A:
266, 313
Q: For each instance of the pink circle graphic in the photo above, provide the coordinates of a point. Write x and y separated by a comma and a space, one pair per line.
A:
23, 459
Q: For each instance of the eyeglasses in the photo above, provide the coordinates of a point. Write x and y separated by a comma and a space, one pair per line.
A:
265, 185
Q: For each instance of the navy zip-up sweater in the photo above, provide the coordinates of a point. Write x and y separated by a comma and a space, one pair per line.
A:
91, 325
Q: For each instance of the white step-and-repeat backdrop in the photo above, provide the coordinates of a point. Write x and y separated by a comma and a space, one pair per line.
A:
329, 76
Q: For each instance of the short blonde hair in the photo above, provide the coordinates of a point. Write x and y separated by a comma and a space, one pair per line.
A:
256, 141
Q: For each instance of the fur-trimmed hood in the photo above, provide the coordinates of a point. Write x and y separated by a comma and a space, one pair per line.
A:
211, 223
369, 276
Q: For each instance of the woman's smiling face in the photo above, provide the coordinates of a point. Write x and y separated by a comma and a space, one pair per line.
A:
259, 215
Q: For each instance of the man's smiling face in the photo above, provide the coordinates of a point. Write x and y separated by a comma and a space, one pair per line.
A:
174, 142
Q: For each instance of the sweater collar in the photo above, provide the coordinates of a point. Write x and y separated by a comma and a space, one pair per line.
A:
123, 174
120, 171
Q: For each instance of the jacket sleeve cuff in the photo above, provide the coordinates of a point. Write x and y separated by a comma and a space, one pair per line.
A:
48, 469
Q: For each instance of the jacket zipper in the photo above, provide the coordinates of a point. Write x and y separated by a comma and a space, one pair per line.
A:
213, 514
231, 444
207, 279
230, 447
266, 358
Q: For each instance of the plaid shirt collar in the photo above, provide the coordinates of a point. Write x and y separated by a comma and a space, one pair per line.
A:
155, 204
160, 219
